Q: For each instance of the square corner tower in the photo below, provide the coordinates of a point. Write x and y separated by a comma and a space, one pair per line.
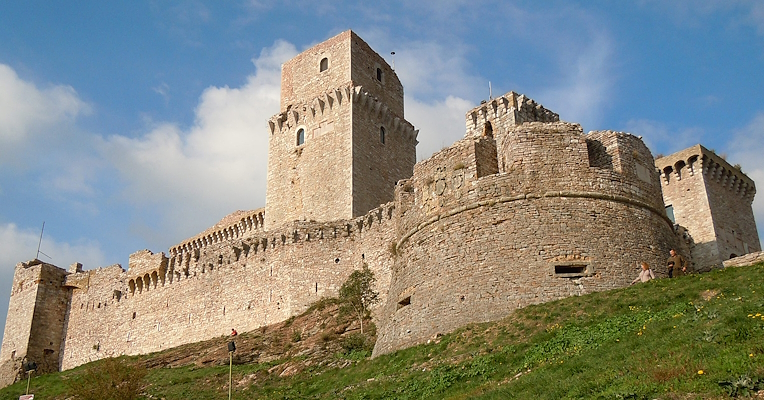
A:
340, 141
713, 201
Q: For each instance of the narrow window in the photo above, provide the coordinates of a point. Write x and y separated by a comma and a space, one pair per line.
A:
670, 213
133, 315
667, 173
570, 271
316, 287
403, 303
300, 137
382, 134
488, 130
379, 74
324, 65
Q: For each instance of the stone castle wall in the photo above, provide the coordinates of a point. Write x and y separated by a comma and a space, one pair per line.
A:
384, 152
35, 323
524, 209
243, 283
475, 248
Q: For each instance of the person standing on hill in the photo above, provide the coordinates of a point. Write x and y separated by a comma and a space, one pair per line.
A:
645, 274
677, 265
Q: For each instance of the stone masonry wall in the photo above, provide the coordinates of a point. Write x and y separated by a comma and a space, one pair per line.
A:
18, 323
301, 77
35, 321
748, 259
240, 282
295, 171
474, 249
730, 195
712, 200
379, 159
369, 70
342, 169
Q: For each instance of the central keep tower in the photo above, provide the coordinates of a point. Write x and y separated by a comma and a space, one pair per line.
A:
340, 142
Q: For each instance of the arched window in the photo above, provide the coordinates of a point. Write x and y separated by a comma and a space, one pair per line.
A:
488, 129
382, 134
379, 74
300, 136
324, 65
667, 173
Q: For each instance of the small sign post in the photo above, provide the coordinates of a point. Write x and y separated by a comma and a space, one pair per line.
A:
29, 368
231, 349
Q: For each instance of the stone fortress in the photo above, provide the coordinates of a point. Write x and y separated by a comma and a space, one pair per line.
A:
524, 209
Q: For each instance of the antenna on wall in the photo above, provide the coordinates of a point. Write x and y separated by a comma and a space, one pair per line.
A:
490, 92
392, 53
40, 243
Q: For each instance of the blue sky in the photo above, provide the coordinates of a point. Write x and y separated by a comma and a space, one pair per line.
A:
136, 124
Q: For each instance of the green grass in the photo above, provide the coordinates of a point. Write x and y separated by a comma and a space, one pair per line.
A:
649, 341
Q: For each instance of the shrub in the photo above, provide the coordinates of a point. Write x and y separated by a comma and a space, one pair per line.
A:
109, 379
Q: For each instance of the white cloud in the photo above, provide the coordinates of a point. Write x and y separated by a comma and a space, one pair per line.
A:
163, 90
28, 114
746, 149
218, 165
440, 123
661, 139
19, 244
435, 70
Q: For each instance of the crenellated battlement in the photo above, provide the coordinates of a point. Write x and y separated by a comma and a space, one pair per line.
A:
149, 271
696, 159
509, 109
712, 200
235, 225
319, 108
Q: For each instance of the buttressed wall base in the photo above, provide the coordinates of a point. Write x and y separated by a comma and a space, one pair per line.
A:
524, 209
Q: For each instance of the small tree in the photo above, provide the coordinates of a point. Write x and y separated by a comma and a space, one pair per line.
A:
357, 294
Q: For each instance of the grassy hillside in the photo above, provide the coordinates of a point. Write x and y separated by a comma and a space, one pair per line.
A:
695, 337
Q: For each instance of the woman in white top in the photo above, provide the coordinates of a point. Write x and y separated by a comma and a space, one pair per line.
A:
645, 275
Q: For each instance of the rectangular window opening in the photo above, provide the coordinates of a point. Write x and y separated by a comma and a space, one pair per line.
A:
571, 270
670, 213
403, 303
